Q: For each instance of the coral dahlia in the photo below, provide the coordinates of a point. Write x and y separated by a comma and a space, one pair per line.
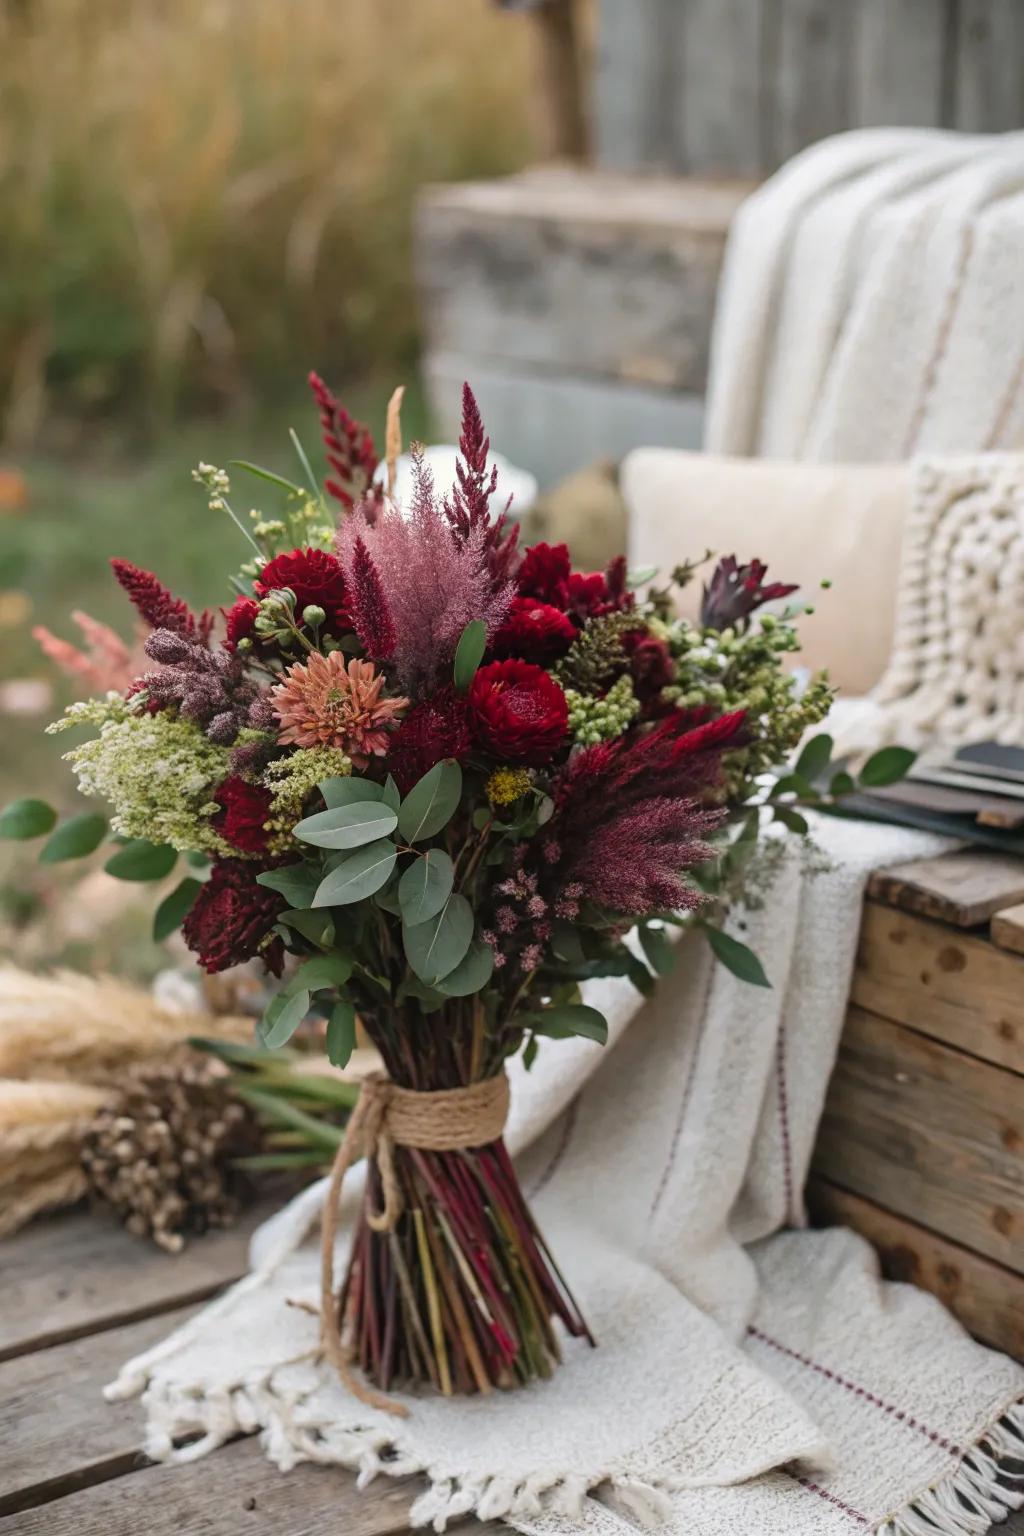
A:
329, 702
517, 712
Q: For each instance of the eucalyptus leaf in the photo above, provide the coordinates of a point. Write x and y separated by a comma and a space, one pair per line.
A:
357, 876
815, 758
74, 839
173, 910
284, 1014
841, 783
320, 972
430, 803
791, 819
341, 1034
566, 943
317, 927
297, 883
660, 951
388, 898
390, 794
561, 1023
737, 957
140, 859
886, 766
23, 819
473, 971
434, 948
425, 886
469, 653
349, 790
347, 826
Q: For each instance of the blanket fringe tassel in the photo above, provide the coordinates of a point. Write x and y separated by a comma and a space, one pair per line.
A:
980, 1492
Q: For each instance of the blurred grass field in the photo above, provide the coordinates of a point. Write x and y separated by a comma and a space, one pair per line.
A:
201, 200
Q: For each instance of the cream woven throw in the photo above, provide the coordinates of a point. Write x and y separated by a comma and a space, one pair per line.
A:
745, 1383
956, 673
872, 302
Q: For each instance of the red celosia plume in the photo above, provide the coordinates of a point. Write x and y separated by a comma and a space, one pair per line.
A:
159, 607
348, 445
371, 615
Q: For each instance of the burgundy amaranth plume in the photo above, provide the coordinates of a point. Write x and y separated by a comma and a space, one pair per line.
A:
158, 606
371, 615
348, 445
467, 508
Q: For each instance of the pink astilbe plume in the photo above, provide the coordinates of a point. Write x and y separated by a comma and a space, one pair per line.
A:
104, 665
432, 581
348, 445
467, 508
371, 615
160, 608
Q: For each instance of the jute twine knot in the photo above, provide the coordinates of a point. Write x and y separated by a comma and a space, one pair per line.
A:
386, 1117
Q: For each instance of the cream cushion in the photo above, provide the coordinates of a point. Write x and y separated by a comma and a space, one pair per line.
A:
807, 521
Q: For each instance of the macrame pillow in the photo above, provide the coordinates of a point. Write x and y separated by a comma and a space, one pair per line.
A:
809, 522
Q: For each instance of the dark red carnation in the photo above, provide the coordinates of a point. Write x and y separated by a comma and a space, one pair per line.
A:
534, 631
316, 578
517, 712
244, 808
231, 917
544, 574
240, 620
435, 729
650, 663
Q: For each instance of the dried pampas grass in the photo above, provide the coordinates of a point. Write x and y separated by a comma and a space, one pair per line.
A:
90, 1029
67, 1044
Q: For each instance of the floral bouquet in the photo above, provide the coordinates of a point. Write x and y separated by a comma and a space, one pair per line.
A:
436, 783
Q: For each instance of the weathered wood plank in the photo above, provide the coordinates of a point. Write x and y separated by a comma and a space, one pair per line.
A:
989, 77
717, 99
1008, 929
76, 1273
988, 1299
517, 270
233, 1491
929, 1133
964, 888
810, 91
897, 63
632, 84
953, 986
57, 1432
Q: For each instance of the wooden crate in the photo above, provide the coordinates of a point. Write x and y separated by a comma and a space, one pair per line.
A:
921, 1146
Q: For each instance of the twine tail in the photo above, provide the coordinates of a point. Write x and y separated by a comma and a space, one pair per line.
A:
363, 1130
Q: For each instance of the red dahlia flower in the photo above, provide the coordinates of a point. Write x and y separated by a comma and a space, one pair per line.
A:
435, 729
534, 631
517, 712
240, 620
546, 574
244, 808
231, 917
315, 577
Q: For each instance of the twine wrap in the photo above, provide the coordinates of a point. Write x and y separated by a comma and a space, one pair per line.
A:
386, 1117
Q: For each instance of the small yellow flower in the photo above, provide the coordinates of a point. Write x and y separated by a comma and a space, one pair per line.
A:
506, 785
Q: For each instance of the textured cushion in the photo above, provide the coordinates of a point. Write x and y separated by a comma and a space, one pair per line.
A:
808, 522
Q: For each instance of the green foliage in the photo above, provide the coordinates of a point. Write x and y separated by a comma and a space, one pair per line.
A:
74, 839
338, 792
737, 957
347, 826
431, 802
886, 766
173, 910
357, 876
25, 819
341, 1034
139, 859
814, 758
434, 948
472, 973
285, 1012
320, 973
560, 1023
469, 653
425, 886
297, 883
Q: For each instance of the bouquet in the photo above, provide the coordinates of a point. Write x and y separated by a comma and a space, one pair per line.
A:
435, 783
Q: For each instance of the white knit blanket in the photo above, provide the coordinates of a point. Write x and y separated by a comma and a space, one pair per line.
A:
872, 302
744, 1383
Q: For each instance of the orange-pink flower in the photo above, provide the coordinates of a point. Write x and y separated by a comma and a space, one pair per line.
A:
329, 702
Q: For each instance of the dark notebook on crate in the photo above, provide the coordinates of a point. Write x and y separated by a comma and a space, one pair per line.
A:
975, 793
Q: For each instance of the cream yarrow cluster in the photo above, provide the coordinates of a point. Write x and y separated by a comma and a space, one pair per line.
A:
291, 781
602, 719
158, 772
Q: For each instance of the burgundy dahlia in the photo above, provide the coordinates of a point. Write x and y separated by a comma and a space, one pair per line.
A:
232, 917
735, 591
240, 621
244, 808
435, 729
534, 631
546, 573
517, 712
316, 578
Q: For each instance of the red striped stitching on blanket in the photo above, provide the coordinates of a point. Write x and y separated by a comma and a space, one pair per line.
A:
851, 1386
